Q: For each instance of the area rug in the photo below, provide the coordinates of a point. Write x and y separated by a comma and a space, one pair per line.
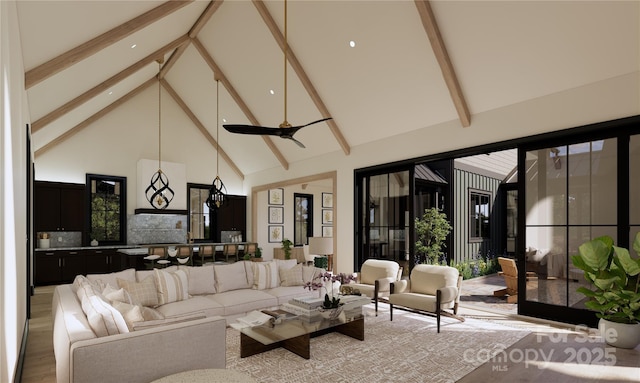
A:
406, 350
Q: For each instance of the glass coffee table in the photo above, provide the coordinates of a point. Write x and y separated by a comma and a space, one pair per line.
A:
294, 334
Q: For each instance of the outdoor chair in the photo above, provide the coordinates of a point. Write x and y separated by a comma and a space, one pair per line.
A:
375, 278
510, 274
430, 288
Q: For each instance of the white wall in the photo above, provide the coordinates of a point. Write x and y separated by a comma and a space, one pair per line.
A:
13, 162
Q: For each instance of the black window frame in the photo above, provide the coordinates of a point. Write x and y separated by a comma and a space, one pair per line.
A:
476, 226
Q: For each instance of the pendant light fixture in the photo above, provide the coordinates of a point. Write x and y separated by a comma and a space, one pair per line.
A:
217, 192
158, 193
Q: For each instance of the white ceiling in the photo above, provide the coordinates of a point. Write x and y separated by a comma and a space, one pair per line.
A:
503, 53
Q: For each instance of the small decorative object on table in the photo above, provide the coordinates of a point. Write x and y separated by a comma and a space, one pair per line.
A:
331, 307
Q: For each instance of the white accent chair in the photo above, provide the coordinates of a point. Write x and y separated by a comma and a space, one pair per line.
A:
375, 278
430, 288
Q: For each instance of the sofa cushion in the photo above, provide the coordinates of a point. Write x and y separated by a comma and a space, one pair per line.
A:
143, 293
112, 278
201, 279
286, 293
292, 276
141, 275
244, 300
103, 318
166, 321
197, 304
231, 277
171, 287
265, 275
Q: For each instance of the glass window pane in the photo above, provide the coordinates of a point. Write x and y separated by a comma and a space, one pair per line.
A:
546, 187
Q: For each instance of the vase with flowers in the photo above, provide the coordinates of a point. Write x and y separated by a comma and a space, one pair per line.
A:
331, 306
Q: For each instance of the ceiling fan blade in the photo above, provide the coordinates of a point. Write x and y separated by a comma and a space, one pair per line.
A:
300, 144
314, 122
252, 129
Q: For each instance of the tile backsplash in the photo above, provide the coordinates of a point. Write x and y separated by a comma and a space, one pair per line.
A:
156, 228
60, 239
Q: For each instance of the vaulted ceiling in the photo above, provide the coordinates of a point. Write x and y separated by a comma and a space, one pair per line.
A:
413, 64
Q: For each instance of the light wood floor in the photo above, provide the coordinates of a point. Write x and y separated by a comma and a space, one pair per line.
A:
39, 364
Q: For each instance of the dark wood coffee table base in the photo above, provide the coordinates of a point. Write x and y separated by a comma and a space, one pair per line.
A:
300, 345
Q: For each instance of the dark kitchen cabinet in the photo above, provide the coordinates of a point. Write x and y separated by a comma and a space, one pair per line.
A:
58, 266
232, 216
58, 206
102, 261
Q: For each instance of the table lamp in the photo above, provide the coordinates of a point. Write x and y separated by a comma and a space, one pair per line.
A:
322, 246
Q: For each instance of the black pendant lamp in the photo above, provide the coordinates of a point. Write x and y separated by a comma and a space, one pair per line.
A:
217, 192
158, 193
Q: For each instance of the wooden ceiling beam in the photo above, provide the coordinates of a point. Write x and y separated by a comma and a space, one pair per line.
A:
105, 85
176, 97
439, 49
302, 75
79, 53
71, 132
239, 101
193, 32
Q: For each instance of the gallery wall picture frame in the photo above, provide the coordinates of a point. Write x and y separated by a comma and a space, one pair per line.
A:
327, 200
327, 231
275, 233
276, 214
327, 216
276, 196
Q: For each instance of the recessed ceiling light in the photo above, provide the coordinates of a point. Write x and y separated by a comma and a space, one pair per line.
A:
110, 93
271, 91
134, 45
224, 120
352, 44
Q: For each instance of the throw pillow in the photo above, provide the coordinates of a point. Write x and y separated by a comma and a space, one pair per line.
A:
143, 293
112, 278
171, 287
231, 277
149, 313
201, 279
103, 318
131, 313
310, 272
292, 276
120, 295
265, 275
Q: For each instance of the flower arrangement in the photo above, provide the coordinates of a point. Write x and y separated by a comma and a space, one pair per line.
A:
319, 281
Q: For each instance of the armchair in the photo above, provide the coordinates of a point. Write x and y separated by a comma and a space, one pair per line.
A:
430, 288
375, 277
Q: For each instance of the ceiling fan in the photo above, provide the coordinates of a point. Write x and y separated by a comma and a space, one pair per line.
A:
284, 130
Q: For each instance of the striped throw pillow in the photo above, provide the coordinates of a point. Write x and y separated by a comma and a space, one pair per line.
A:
171, 287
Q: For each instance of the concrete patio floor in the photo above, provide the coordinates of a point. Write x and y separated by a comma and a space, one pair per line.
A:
477, 293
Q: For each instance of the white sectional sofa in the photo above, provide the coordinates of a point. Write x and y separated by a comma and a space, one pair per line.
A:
136, 326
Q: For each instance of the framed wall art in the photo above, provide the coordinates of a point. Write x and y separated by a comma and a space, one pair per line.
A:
275, 234
327, 200
276, 197
276, 214
327, 216
327, 231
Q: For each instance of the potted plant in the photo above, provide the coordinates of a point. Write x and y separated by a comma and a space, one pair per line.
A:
615, 288
431, 232
258, 255
286, 246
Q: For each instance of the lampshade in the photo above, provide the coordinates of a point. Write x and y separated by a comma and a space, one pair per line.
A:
321, 245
